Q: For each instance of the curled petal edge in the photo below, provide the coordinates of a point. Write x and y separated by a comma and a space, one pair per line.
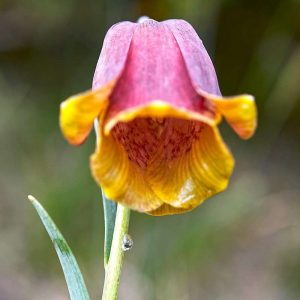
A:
78, 112
158, 109
239, 111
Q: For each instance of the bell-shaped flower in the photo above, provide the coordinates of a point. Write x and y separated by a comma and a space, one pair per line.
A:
158, 104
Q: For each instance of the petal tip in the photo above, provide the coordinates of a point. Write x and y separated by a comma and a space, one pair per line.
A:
239, 111
78, 113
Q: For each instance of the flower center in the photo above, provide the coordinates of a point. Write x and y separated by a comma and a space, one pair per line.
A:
146, 139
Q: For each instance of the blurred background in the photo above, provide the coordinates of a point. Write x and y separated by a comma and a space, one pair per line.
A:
241, 244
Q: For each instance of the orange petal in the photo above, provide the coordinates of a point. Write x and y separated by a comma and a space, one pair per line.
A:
78, 112
239, 111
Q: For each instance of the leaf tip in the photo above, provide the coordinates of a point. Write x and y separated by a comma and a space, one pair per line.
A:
34, 201
31, 198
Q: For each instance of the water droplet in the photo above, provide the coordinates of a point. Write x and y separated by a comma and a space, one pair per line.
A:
127, 242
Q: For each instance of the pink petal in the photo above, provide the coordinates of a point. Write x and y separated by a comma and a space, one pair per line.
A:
196, 58
113, 54
155, 70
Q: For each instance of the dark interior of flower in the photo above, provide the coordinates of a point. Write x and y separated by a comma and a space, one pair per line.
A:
145, 139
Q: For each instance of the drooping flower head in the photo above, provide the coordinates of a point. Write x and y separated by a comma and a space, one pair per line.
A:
157, 99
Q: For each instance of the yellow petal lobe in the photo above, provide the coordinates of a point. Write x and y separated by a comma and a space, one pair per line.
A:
240, 112
78, 112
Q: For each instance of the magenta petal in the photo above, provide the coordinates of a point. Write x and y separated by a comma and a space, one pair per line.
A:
197, 60
114, 53
155, 70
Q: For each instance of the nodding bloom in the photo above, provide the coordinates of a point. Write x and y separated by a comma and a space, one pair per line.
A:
156, 96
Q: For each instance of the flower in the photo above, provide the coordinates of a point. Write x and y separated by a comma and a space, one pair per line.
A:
157, 99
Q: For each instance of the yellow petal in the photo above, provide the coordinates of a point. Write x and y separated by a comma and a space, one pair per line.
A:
159, 109
78, 112
119, 178
187, 181
239, 111
162, 185
167, 209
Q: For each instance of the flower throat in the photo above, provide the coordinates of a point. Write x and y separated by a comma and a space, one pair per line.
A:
147, 139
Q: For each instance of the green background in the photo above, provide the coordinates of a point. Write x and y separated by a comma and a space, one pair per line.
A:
241, 244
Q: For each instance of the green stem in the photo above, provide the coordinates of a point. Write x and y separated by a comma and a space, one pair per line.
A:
114, 266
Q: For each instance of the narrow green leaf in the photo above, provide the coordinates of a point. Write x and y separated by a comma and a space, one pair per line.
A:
110, 209
73, 276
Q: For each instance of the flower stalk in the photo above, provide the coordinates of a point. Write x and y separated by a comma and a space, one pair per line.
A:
114, 266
